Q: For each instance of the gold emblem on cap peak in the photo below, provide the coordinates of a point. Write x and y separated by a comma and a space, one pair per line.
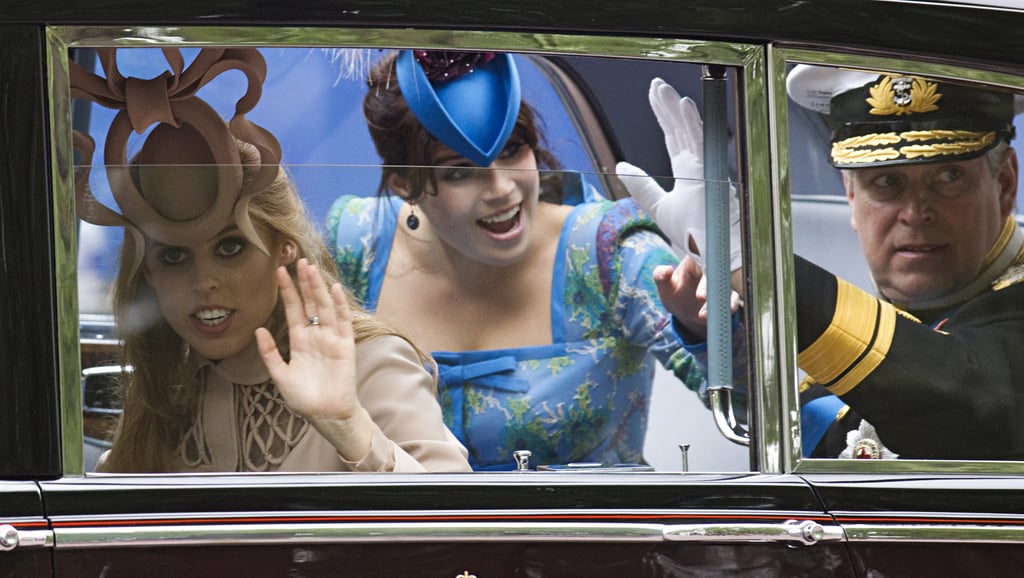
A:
899, 95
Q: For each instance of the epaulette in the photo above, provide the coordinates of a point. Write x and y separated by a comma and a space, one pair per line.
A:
1013, 275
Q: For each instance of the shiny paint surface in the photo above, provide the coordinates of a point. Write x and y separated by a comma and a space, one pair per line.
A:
27, 564
429, 559
27, 314
20, 500
543, 525
117, 495
875, 25
928, 525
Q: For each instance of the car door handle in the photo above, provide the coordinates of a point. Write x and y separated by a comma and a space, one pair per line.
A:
805, 532
11, 538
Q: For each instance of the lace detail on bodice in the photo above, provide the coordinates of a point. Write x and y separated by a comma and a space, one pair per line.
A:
193, 450
269, 430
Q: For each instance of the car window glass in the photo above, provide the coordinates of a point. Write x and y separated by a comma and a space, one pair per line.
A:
896, 181
311, 102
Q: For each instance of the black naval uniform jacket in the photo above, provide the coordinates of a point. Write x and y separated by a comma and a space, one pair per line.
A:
953, 389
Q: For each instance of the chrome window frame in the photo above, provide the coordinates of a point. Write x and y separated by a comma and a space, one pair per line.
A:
779, 58
748, 59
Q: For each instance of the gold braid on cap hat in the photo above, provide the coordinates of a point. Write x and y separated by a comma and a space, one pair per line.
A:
170, 100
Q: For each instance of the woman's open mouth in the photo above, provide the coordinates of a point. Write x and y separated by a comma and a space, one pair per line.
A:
502, 222
212, 317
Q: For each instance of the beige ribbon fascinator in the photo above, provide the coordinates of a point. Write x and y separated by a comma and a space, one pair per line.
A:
188, 177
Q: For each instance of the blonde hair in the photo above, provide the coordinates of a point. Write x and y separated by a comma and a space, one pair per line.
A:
160, 395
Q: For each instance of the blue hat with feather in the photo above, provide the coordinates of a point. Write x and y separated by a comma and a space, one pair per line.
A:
467, 100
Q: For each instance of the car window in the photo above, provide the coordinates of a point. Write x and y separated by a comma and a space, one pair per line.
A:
591, 111
921, 231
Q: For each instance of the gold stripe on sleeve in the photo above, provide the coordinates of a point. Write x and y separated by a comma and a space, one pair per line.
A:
854, 344
874, 358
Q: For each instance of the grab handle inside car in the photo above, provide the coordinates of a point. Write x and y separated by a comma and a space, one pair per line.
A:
716, 192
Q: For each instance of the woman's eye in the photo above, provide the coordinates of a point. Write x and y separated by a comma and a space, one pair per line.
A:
512, 149
230, 247
173, 256
456, 173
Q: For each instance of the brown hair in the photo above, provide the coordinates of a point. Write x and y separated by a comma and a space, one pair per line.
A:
404, 145
160, 394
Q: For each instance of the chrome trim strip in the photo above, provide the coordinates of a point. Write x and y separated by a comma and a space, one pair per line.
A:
748, 58
356, 532
35, 539
806, 533
761, 304
65, 254
781, 242
637, 47
12, 538
236, 534
934, 533
940, 467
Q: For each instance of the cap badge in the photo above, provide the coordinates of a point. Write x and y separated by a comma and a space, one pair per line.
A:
903, 95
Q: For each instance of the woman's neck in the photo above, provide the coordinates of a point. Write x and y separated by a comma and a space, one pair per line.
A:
449, 302
427, 252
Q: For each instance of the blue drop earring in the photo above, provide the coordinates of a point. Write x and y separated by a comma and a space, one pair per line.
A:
412, 221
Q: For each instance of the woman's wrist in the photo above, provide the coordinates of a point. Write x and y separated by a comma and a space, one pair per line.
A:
351, 436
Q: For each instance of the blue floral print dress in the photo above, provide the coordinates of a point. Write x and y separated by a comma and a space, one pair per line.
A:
585, 397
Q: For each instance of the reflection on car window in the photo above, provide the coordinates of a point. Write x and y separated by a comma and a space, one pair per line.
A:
915, 267
542, 317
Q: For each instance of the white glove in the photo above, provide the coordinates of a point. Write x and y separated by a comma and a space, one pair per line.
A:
680, 213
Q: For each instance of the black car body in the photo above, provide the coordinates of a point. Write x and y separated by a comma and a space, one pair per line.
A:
773, 514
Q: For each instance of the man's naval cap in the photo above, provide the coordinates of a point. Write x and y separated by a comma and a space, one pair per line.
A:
890, 119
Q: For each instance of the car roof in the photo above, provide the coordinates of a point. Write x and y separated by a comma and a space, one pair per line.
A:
920, 27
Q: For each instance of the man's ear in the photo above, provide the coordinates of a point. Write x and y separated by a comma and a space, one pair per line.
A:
848, 183
1008, 183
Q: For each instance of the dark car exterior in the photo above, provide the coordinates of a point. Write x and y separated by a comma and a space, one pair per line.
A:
777, 514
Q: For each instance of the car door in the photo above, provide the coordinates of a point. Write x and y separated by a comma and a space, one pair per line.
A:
906, 516
27, 382
541, 525
530, 523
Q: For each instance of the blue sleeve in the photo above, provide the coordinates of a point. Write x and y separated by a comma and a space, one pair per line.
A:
639, 309
351, 239
699, 352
